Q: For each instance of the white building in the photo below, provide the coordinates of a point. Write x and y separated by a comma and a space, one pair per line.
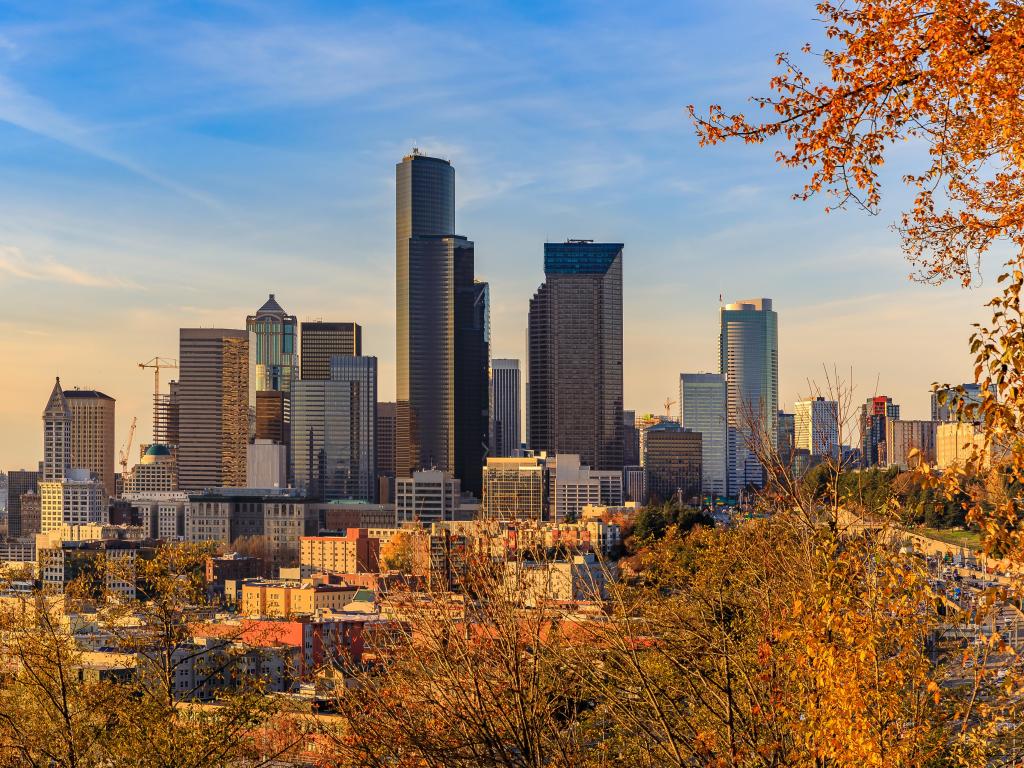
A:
574, 486
816, 426
429, 496
76, 500
156, 472
909, 443
956, 442
266, 465
702, 408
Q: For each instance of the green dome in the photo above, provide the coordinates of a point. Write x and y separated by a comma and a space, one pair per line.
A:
158, 450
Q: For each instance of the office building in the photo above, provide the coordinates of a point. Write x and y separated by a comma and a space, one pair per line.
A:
274, 347
270, 416
749, 362
386, 416
816, 426
266, 464
442, 340
156, 472
19, 482
786, 441
30, 515
873, 417
673, 462
213, 406
353, 551
57, 421
166, 416
513, 489
634, 481
702, 408
321, 341
573, 485
958, 441
909, 444
947, 404
334, 432
472, 361
506, 434
630, 440
92, 434
428, 496
574, 366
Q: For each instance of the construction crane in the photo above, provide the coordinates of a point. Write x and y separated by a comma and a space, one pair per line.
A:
669, 402
157, 364
126, 449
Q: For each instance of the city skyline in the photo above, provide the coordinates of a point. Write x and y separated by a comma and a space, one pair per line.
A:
158, 244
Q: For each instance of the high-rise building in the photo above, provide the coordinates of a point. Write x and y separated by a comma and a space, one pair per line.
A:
574, 367
505, 407
573, 485
67, 496
786, 441
749, 361
952, 403
873, 416
513, 489
321, 341
816, 426
274, 362
213, 407
472, 361
334, 431
428, 496
57, 420
19, 482
386, 439
672, 460
425, 296
166, 416
156, 472
630, 440
702, 408
956, 442
92, 434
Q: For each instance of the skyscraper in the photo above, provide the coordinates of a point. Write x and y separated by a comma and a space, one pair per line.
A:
951, 408
574, 338
702, 408
816, 427
19, 481
505, 407
472, 361
334, 435
274, 359
386, 415
57, 421
92, 434
442, 333
749, 361
213, 408
321, 341
672, 461
873, 416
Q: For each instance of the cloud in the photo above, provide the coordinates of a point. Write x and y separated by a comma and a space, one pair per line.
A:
44, 269
37, 116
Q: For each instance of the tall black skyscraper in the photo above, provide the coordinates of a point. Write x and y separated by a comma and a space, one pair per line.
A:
441, 328
574, 338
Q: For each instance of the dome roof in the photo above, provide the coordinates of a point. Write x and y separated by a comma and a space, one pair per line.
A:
156, 453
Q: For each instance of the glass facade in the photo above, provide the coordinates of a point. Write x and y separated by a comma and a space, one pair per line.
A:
273, 347
574, 387
321, 341
702, 408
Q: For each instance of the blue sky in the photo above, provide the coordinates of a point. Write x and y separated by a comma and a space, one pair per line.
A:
169, 164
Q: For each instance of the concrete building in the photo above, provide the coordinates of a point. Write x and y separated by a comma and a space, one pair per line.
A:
816, 426
634, 481
702, 408
213, 405
513, 489
429, 496
909, 443
353, 551
160, 515
749, 362
92, 434
57, 419
673, 462
20, 482
958, 441
266, 465
386, 420
630, 440
574, 344
334, 432
581, 579
574, 485
278, 519
282, 599
321, 341
156, 472
786, 441
506, 433
62, 562
873, 417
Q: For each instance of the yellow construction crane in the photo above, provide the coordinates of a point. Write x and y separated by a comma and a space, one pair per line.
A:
669, 402
126, 449
157, 364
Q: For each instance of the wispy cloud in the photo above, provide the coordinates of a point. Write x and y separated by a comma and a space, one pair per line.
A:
14, 263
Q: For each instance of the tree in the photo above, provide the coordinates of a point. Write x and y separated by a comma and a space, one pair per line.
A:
945, 74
